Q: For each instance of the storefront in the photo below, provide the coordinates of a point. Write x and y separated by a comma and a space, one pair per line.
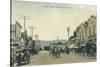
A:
91, 45
73, 49
91, 49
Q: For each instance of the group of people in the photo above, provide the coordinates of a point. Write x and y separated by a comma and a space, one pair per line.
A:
24, 52
55, 51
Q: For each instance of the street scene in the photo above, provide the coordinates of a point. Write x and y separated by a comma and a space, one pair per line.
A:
52, 33
45, 59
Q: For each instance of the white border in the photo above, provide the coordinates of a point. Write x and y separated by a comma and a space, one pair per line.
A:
5, 32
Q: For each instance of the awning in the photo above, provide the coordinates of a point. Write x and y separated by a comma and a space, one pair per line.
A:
71, 46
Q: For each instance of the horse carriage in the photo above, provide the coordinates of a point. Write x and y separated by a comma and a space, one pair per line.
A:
22, 56
54, 50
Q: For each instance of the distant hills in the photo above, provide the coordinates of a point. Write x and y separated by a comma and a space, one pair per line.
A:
47, 43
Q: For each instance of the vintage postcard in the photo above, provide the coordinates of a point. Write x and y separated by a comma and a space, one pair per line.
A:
52, 33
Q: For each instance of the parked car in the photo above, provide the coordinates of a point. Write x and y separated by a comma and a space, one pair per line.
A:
22, 56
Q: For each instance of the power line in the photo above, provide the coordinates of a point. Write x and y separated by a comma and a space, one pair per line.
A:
24, 19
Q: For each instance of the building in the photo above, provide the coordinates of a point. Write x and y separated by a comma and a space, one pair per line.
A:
86, 34
91, 34
15, 37
15, 32
86, 31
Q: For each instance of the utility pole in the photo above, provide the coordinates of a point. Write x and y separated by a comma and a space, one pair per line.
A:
31, 27
24, 19
68, 31
36, 37
57, 38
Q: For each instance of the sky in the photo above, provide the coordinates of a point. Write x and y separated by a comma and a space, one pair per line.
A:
50, 20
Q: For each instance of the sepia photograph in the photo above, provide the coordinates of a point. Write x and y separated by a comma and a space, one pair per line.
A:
44, 33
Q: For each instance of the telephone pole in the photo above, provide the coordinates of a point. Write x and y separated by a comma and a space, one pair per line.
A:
57, 39
24, 19
31, 27
36, 37
68, 31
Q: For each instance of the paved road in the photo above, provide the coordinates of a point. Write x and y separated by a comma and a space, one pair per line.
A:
44, 58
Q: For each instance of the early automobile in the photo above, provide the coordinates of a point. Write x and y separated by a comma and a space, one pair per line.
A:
22, 56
